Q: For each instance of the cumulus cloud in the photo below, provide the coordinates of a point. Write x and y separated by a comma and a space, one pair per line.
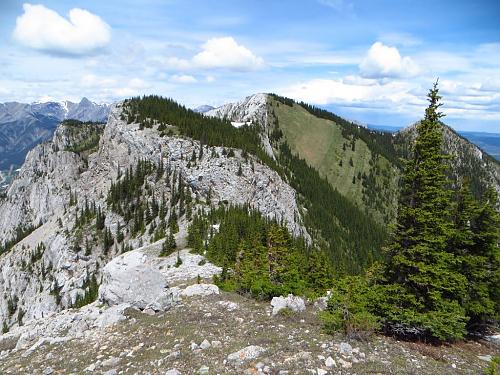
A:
383, 61
43, 29
226, 53
183, 78
219, 53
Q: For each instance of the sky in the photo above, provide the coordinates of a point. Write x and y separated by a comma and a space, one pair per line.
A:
369, 61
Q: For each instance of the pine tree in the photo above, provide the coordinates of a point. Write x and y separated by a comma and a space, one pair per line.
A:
251, 268
283, 261
482, 265
424, 288
168, 246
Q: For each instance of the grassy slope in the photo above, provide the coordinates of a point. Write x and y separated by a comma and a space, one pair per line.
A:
320, 142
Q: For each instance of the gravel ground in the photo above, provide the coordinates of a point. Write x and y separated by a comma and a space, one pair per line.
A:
199, 335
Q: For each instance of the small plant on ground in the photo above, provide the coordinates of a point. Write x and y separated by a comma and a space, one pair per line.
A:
494, 367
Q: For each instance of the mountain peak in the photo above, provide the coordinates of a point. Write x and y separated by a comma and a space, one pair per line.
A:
85, 101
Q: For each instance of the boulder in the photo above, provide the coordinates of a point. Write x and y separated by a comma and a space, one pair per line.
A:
200, 290
129, 278
246, 354
296, 304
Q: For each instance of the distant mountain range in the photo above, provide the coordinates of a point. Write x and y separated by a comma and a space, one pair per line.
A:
489, 142
23, 126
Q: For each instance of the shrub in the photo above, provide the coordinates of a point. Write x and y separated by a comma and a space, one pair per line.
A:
494, 367
348, 309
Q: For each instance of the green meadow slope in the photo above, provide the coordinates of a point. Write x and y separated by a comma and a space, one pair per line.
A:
362, 175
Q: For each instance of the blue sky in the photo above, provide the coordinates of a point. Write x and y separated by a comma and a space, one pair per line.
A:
371, 61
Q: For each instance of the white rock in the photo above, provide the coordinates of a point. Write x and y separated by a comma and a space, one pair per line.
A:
486, 358
200, 290
329, 362
130, 279
90, 368
320, 371
345, 349
291, 302
345, 364
246, 354
111, 362
216, 343
229, 305
173, 371
205, 344
495, 339
203, 370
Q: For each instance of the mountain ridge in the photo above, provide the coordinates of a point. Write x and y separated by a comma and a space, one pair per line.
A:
23, 126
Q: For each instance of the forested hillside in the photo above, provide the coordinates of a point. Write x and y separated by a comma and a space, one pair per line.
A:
360, 164
331, 217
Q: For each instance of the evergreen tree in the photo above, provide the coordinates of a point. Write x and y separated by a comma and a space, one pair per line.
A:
283, 261
476, 241
168, 246
425, 290
251, 267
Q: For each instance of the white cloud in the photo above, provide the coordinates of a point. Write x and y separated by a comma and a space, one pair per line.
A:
210, 79
383, 61
178, 64
110, 88
226, 53
355, 92
183, 78
44, 29
219, 53
91, 80
462, 101
137, 83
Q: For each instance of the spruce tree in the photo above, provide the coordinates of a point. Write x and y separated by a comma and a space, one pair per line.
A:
425, 290
481, 265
